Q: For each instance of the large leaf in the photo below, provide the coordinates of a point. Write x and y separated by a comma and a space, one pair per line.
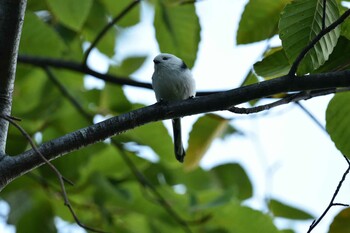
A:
154, 135
283, 210
259, 20
237, 218
275, 64
39, 39
71, 13
177, 29
204, 131
95, 22
300, 22
339, 59
113, 100
232, 176
341, 222
128, 66
338, 122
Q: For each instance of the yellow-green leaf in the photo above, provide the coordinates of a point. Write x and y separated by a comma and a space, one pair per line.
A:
259, 20
71, 13
283, 210
204, 131
341, 222
177, 29
275, 64
338, 121
39, 39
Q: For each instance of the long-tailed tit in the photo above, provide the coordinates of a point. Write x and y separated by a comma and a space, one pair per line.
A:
171, 81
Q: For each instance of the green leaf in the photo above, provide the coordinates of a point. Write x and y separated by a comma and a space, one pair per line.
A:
341, 222
259, 20
300, 22
242, 219
145, 135
95, 22
339, 59
338, 121
114, 100
106, 161
251, 78
280, 209
177, 29
287, 231
275, 64
345, 28
31, 212
223, 199
71, 13
233, 176
128, 66
39, 39
203, 133
114, 7
193, 180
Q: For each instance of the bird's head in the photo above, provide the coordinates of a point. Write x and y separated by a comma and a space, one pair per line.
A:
168, 61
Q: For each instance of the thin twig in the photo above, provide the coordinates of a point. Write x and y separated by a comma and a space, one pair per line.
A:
319, 36
304, 95
107, 27
55, 170
313, 118
332, 203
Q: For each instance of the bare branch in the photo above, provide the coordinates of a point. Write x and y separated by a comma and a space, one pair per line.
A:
332, 203
312, 117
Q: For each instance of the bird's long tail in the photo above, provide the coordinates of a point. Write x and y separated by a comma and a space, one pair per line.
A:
179, 150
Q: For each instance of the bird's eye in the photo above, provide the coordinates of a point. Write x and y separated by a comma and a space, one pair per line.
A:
165, 58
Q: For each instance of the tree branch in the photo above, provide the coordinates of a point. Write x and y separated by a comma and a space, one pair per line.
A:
11, 20
15, 166
332, 203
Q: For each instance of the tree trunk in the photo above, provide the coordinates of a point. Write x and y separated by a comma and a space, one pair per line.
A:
11, 20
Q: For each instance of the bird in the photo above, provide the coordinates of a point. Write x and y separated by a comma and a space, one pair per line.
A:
172, 81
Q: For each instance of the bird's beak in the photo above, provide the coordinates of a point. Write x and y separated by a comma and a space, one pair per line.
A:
156, 61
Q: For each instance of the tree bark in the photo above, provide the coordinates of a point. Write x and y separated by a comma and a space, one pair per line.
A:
11, 21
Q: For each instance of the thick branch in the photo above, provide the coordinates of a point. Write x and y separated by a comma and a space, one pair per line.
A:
11, 20
13, 167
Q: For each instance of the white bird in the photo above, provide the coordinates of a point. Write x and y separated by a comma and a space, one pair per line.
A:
172, 81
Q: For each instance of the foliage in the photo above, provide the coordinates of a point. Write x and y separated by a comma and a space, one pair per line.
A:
107, 195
